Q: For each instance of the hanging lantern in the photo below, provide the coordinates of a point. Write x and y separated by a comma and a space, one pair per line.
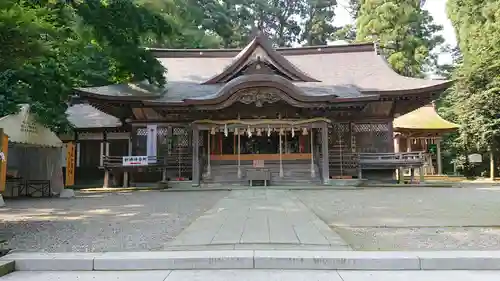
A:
212, 131
268, 131
225, 130
304, 131
259, 132
293, 132
249, 133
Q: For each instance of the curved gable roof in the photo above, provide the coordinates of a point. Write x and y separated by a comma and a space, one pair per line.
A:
353, 65
260, 49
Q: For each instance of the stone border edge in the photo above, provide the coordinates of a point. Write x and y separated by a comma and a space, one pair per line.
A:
255, 259
6, 267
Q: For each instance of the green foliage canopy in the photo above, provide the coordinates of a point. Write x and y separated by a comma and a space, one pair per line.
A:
406, 33
475, 99
55, 46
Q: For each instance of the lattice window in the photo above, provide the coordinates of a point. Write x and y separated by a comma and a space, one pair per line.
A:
142, 132
340, 136
160, 131
372, 137
180, 156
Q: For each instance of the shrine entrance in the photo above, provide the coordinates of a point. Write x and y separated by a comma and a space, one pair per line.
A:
283, 146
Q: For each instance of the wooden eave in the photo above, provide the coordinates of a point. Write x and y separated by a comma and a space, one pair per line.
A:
438, 88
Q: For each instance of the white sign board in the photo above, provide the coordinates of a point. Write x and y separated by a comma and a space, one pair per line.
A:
135, 161
475, 158
151, 142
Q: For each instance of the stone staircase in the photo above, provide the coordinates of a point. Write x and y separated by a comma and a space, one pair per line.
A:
296, 172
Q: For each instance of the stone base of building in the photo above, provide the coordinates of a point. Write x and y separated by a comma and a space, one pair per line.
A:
67, 193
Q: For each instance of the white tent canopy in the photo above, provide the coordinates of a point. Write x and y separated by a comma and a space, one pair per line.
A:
22, 128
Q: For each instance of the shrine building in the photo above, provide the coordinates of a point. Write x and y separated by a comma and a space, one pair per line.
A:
306, 114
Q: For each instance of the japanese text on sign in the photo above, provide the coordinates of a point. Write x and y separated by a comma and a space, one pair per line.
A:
135, 161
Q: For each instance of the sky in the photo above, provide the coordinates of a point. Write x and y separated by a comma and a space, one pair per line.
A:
437, 8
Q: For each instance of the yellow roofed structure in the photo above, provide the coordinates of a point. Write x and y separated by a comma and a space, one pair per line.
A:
424, 120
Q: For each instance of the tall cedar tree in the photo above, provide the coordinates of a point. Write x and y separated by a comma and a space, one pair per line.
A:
405, 31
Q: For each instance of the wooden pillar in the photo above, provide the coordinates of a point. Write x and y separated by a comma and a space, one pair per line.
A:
133, 151
397, 143
421, 171
105, 147
391, 137
282, 174
129, 153
438, 156
412, 171
325, 169
397, 149
236, 131
313, 172
196, 156
210, 144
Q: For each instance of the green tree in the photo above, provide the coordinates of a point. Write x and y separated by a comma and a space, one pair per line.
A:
406, 33
318, 16
348, 31
475, 99
55, 46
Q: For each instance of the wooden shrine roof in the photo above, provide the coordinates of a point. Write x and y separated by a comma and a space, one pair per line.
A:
423, 119
84, 116
349, 72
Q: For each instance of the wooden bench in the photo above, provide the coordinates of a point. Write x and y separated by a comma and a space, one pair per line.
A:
260, 174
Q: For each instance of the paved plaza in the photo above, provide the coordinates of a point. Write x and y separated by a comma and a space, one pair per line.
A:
102, 222
369, 219
411, 218
257, 275
257, 219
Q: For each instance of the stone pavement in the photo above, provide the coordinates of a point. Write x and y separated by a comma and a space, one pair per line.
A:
411, 219
258, 219
250, 275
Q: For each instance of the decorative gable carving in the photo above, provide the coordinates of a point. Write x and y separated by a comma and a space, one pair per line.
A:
256, 57
259, 96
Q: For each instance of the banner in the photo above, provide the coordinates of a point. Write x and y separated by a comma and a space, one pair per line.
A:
3, 158
151, 142
70, 164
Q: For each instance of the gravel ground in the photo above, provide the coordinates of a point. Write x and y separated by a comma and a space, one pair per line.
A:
132, 221
411, 218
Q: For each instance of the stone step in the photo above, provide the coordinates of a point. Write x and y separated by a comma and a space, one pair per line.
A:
258, 259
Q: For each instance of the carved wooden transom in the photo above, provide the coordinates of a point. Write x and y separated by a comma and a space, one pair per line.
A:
259, 96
